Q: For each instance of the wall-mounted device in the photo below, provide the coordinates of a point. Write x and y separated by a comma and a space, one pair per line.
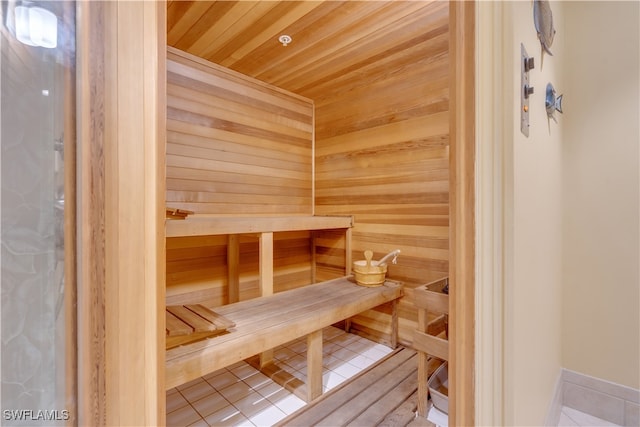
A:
526, 90
552, 103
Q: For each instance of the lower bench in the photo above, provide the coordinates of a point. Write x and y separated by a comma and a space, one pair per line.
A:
264, 323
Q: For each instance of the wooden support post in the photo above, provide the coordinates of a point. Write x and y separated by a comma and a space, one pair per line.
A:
313, 256
347, 252
314, 365
266, 264
423, 368
394, 324
266, 280
347, 268
233, 268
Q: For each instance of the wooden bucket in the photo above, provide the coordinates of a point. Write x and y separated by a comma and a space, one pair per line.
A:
368, 273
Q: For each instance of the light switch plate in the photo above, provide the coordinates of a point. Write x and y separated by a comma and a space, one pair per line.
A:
526, 64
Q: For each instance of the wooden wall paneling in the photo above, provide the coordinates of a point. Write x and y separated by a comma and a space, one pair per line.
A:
387, 163
462, 261
199, 268
382, 154
235, 146
330, 252
121, 53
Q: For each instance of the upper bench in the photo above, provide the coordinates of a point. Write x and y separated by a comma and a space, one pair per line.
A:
203, 225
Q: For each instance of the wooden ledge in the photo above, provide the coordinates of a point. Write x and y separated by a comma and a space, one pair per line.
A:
201, 225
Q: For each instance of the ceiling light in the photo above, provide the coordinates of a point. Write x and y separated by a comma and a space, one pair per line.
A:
285, 39
35, 26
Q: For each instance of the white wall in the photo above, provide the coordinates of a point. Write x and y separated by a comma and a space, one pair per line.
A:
601, 280
533, 289
558, 212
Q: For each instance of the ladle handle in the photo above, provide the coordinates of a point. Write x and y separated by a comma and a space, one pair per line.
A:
368, 255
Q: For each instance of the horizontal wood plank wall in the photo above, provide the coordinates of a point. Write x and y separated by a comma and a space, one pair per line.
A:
235, 147
382, 154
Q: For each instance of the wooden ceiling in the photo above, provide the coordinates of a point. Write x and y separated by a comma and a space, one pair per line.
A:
335, 44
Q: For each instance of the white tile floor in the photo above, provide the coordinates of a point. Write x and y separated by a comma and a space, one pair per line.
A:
240, 395
573, 417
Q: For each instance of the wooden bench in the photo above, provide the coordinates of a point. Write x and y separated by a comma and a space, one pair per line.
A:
266, 322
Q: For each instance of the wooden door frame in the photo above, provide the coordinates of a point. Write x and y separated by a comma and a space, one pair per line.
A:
462, 212
121, 95
105, 396
495, 122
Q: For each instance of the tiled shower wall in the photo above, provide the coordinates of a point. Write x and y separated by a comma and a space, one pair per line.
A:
31, 229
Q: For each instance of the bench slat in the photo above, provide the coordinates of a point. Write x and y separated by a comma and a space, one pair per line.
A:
190, 318
212, 317
176, 326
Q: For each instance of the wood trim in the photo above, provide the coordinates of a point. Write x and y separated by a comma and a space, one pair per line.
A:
155, 122
494, 122
462, 213
91, 227
121, 91
203, 225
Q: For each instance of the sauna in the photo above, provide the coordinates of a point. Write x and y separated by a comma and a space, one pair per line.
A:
299, 136
283, 141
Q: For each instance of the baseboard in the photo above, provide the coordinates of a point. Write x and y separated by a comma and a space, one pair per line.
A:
553, 415
609, 401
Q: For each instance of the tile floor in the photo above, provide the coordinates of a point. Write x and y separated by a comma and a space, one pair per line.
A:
573, 417
240, 395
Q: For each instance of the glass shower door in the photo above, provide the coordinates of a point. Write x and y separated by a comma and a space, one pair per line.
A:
37, 213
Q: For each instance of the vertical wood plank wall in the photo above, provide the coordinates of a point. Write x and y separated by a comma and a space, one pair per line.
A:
121, 91
382, 154
235, 146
